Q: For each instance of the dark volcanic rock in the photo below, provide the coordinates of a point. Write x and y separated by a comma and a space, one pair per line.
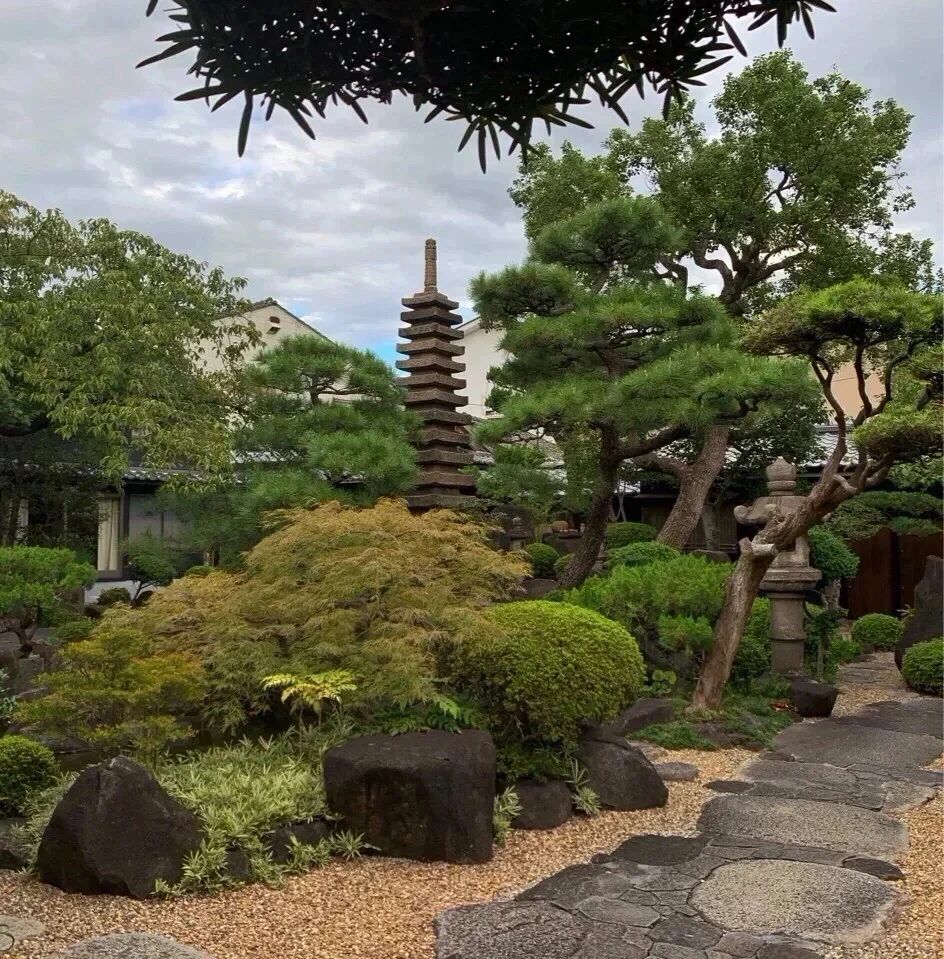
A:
927, 618
309, 833
621, 776
642, 713
116, 831
425, 796
543, 805
811, 699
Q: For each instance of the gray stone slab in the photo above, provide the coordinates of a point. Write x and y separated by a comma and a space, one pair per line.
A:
805, 823
839, 744
921, 717
132, 945
14, 929
502, 930
805, 899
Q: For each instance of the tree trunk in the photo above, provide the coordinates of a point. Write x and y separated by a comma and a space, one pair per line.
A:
579, 568
694, 486
739, 596
711, 526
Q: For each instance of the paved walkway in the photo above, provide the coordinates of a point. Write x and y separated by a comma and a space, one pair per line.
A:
799, 852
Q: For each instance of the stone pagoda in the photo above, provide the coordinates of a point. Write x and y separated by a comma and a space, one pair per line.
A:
432, 393
790, 575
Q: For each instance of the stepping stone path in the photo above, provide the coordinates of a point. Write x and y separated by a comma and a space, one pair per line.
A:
798, 853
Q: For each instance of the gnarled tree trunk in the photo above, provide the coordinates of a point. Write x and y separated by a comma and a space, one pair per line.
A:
587, 552
695, 482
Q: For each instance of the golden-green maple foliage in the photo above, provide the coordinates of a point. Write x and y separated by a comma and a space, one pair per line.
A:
377, 592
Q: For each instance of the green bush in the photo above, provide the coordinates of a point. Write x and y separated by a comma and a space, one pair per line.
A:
561, 564
640, 554
543, 558
877, 631
201, 569
546, 667
73, 629
113, 596
637, 596
844, 649
830, 555
26, 769
625, 534
923, 666
752, 659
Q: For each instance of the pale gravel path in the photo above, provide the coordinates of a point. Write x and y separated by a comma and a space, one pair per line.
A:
370, 909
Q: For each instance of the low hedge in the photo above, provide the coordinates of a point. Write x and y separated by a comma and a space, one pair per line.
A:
923, 666
545, 668
640, 554
877, 631
624, 534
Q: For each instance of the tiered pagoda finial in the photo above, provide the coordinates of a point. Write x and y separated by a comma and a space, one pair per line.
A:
443, 446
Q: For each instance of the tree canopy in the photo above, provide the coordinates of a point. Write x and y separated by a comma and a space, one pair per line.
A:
103, 335
880, 329
614, 364
317, 417
496, 68
798, 188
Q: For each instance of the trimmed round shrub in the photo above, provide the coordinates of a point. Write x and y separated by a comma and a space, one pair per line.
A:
923, 666
844, 649
877, 631
561, 564
201, 569
639, 554
547, 667
26, 768
623, 534
831, 556
113, 596
542, 558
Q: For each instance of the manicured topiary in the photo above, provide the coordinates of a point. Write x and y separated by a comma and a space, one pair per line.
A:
877, 631
623, 534
547, 667
923, 667
26, 768
639, 554
542, 558
116, 594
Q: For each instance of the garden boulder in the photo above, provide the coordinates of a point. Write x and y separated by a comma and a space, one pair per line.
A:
621, 775
812, 700
927, 617
116, 831
644, 712
543, 805
426, 796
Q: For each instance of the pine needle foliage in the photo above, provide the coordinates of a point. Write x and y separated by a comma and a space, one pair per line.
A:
375, 592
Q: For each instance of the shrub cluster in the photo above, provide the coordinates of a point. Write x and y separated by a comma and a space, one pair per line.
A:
26, 769
543, 558
374, 592
624, 534
113, 596
752, 659
831, 556
547, 667
641, 554
877, 631
561, 564
923, 667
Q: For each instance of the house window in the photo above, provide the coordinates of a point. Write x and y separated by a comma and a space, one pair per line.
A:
275, 324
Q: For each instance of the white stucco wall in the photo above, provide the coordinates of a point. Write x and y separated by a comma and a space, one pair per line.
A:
481, 354
273, 322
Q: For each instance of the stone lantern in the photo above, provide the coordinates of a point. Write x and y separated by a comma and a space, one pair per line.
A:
790, 575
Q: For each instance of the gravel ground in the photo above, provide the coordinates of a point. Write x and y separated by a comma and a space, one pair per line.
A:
383, 908
369, 909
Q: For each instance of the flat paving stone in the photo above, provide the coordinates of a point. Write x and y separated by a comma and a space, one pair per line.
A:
509, 931
801, 899
922, 717
132, 945
806, 823
844, 745
14, 929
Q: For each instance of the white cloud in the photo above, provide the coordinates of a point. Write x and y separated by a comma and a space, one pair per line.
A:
335, 228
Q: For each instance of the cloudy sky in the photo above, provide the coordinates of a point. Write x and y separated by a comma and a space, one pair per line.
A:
334, 229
